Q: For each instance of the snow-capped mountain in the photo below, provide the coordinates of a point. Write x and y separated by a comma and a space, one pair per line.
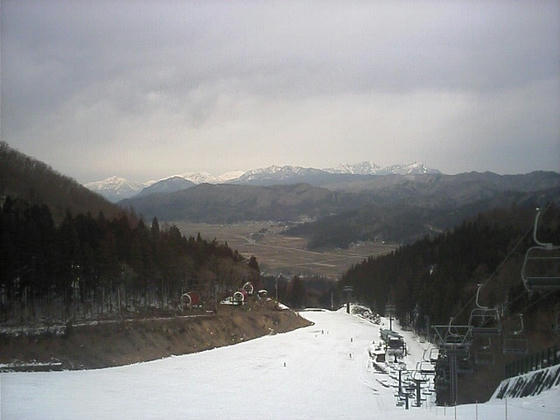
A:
415, 168
288, 174
278, 174
199, 177
228, 176
361, 168
172, 184
370, 168
115, 188
207, 178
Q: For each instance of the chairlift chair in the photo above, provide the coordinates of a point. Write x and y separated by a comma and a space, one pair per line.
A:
465, 364
484, 356
425, 368
417, 374
545, 275
454, 337
516, 342
431, 355
484, 320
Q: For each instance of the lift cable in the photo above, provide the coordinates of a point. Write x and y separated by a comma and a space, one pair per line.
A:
499, 267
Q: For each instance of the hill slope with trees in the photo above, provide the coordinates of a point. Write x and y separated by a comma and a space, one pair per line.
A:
86, 266
66, 252
436, 278
405, 223
23, 177
228, 203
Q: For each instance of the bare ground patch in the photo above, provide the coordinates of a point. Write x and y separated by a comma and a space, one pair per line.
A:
121, 343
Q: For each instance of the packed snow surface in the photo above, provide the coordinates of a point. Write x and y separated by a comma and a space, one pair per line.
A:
319, 372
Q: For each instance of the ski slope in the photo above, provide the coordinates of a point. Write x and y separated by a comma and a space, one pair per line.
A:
318, 372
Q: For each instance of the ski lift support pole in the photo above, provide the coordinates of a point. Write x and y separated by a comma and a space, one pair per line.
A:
418, 396
390, 310
452, 356
348, 290
453, 343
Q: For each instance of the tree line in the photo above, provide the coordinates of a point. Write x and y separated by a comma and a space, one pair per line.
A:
303, 291
89, 266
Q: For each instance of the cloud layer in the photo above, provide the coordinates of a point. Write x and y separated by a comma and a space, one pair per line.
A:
146, 89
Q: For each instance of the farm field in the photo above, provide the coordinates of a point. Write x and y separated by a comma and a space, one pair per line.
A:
277, 253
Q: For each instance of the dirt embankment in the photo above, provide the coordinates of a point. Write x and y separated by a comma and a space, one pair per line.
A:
125, 342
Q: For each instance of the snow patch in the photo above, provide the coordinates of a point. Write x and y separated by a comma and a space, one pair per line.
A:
321, 371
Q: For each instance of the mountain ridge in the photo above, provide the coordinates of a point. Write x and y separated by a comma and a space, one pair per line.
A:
171, 184
399, 208
117, 188
228, 203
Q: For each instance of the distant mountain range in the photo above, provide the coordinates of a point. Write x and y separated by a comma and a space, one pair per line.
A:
370, 168
428, 194
228, 203
350, 203
339, 206
116, 188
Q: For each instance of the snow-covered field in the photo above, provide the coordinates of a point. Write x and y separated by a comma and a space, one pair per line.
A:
318, 372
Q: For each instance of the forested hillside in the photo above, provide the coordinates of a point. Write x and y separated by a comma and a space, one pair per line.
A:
437, 276
88, 266
435, 279
227, 203
29, 179
404, 222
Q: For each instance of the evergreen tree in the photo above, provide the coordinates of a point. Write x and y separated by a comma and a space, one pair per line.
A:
85, 260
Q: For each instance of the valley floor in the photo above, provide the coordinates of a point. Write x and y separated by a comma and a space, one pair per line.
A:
317, 372
278, 253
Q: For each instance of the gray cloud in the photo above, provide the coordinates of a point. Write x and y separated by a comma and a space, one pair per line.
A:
145, 89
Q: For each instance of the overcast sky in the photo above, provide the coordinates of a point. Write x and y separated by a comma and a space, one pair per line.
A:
149, 89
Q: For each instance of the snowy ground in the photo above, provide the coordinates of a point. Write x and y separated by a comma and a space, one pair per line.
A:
318, 372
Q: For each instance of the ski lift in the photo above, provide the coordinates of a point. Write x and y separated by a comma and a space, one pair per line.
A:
185, 302
484, 320
484, 356
425, 368
541, 266
189, 300
465, 364
248, 287
239, 297
454, 336
516, 342
418, 375
431, 355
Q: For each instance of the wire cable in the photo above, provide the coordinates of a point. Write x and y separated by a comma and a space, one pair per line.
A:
502, 263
